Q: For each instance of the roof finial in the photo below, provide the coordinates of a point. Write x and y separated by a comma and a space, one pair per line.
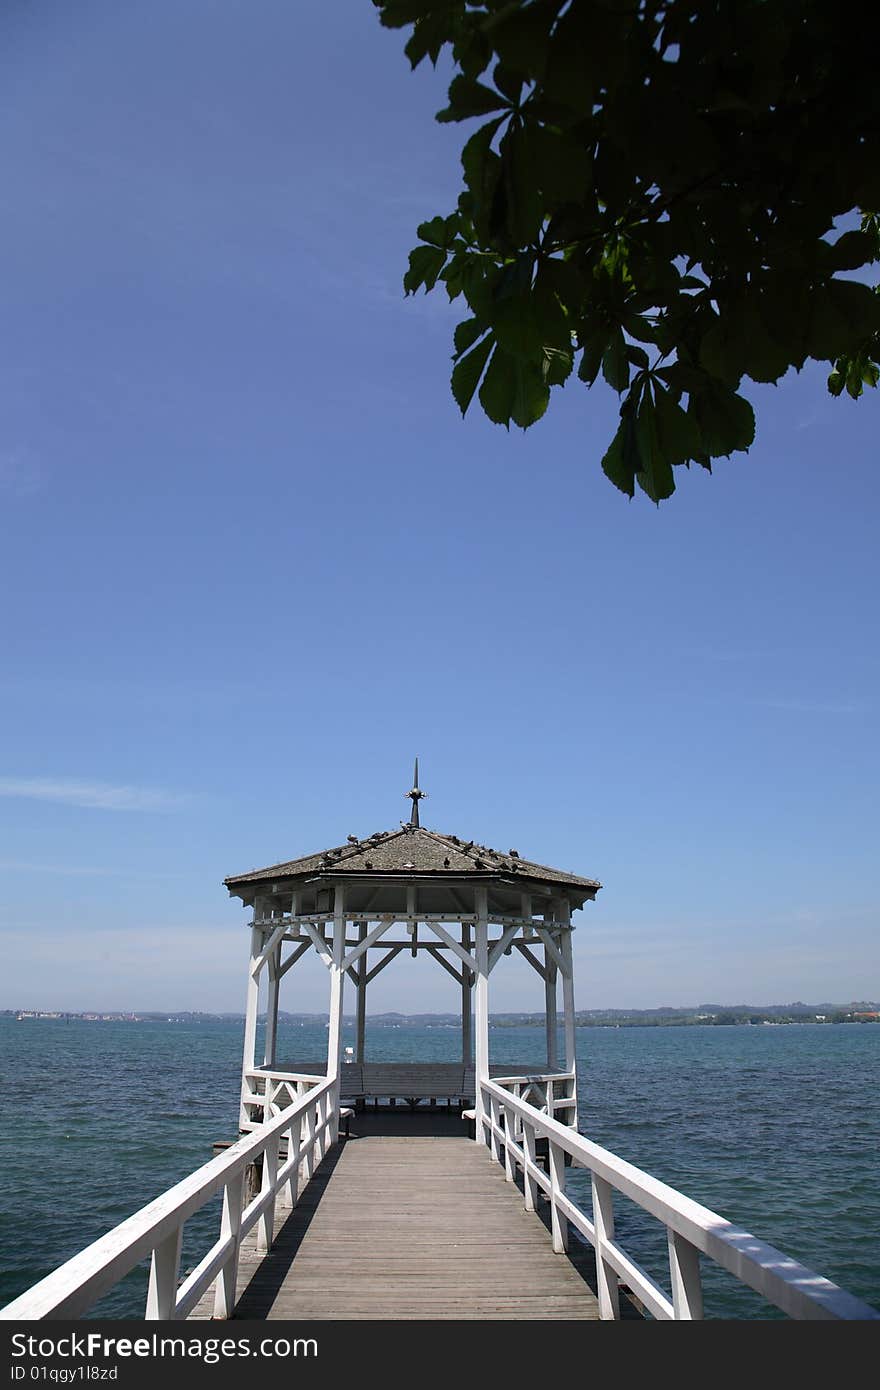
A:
415, 796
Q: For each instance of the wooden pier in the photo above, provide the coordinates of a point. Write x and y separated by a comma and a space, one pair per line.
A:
407, 1218
358, 1213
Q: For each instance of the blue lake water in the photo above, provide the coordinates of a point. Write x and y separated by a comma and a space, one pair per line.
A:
775, 1128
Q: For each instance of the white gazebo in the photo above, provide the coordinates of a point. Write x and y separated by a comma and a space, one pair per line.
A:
359, 905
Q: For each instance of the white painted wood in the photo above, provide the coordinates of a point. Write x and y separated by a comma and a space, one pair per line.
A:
251, 1009
687, 1283
550, 1020
558, 1223
798, 1291
501, 944
317, 940
334, 1032
230, 1223
204, 1274
369, 940
466, 998
603, 1225
551, 949
481, 1008
361, 1015
267, 951
509, 1146
75, 1286
439, 930
269, 1056
568, 1009
268, 1189
164, 1268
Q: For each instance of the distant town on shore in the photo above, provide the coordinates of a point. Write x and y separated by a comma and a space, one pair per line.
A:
861, 1011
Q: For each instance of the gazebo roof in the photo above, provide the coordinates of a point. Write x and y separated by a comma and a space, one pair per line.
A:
412, 849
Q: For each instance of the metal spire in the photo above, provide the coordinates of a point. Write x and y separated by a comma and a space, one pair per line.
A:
415, 795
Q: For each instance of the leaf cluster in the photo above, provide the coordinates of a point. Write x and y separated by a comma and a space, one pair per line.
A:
652, 197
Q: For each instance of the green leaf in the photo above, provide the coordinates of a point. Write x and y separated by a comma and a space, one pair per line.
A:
655, 472
844, 314
852, 250
530, 321
615, 366
466, 333
440, 231
513, 390
836, 382
498, 391
591, 361
621, 461
726, 420
425, 264
719, 352
509, 83
523, 205
468, 98
678, 432
557, 366
431, 32
467, 372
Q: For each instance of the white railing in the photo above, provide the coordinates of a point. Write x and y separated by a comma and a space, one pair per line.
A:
310, 1127
267, 1092
514, 1127
553, 1093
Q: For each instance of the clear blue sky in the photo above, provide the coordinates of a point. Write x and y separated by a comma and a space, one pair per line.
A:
253, 561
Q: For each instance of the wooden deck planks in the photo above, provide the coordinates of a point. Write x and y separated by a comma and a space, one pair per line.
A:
400, 1227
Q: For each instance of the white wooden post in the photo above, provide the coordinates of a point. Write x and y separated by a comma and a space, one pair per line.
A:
360, 1040
266, 1223
162, 1291
558, 1223
509, 1164
687, 1284
273, 966
530, 1183
568, 992
251, 1007
466, 1008
603, 1224
230, 1222
287, 1197
308, 1133
334, 1032
481, 1007
550, 973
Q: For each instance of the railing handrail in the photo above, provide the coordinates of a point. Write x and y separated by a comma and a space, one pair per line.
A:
791, 1286
81, 1280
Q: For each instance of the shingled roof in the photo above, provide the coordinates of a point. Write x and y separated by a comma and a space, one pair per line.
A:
412, 849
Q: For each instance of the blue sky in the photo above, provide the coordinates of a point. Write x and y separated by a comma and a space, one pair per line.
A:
253, 561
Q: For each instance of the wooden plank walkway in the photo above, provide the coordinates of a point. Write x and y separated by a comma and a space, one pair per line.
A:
397, 1224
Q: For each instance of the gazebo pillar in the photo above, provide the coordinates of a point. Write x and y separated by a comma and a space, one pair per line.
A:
273, 966
481, 1006
466, 1007
361, 1018
251, 1006
550, 973
337, 980
568, 989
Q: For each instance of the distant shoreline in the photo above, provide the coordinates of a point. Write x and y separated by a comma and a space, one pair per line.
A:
861, 1011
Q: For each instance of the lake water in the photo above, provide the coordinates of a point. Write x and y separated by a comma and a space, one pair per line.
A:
775, 1128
